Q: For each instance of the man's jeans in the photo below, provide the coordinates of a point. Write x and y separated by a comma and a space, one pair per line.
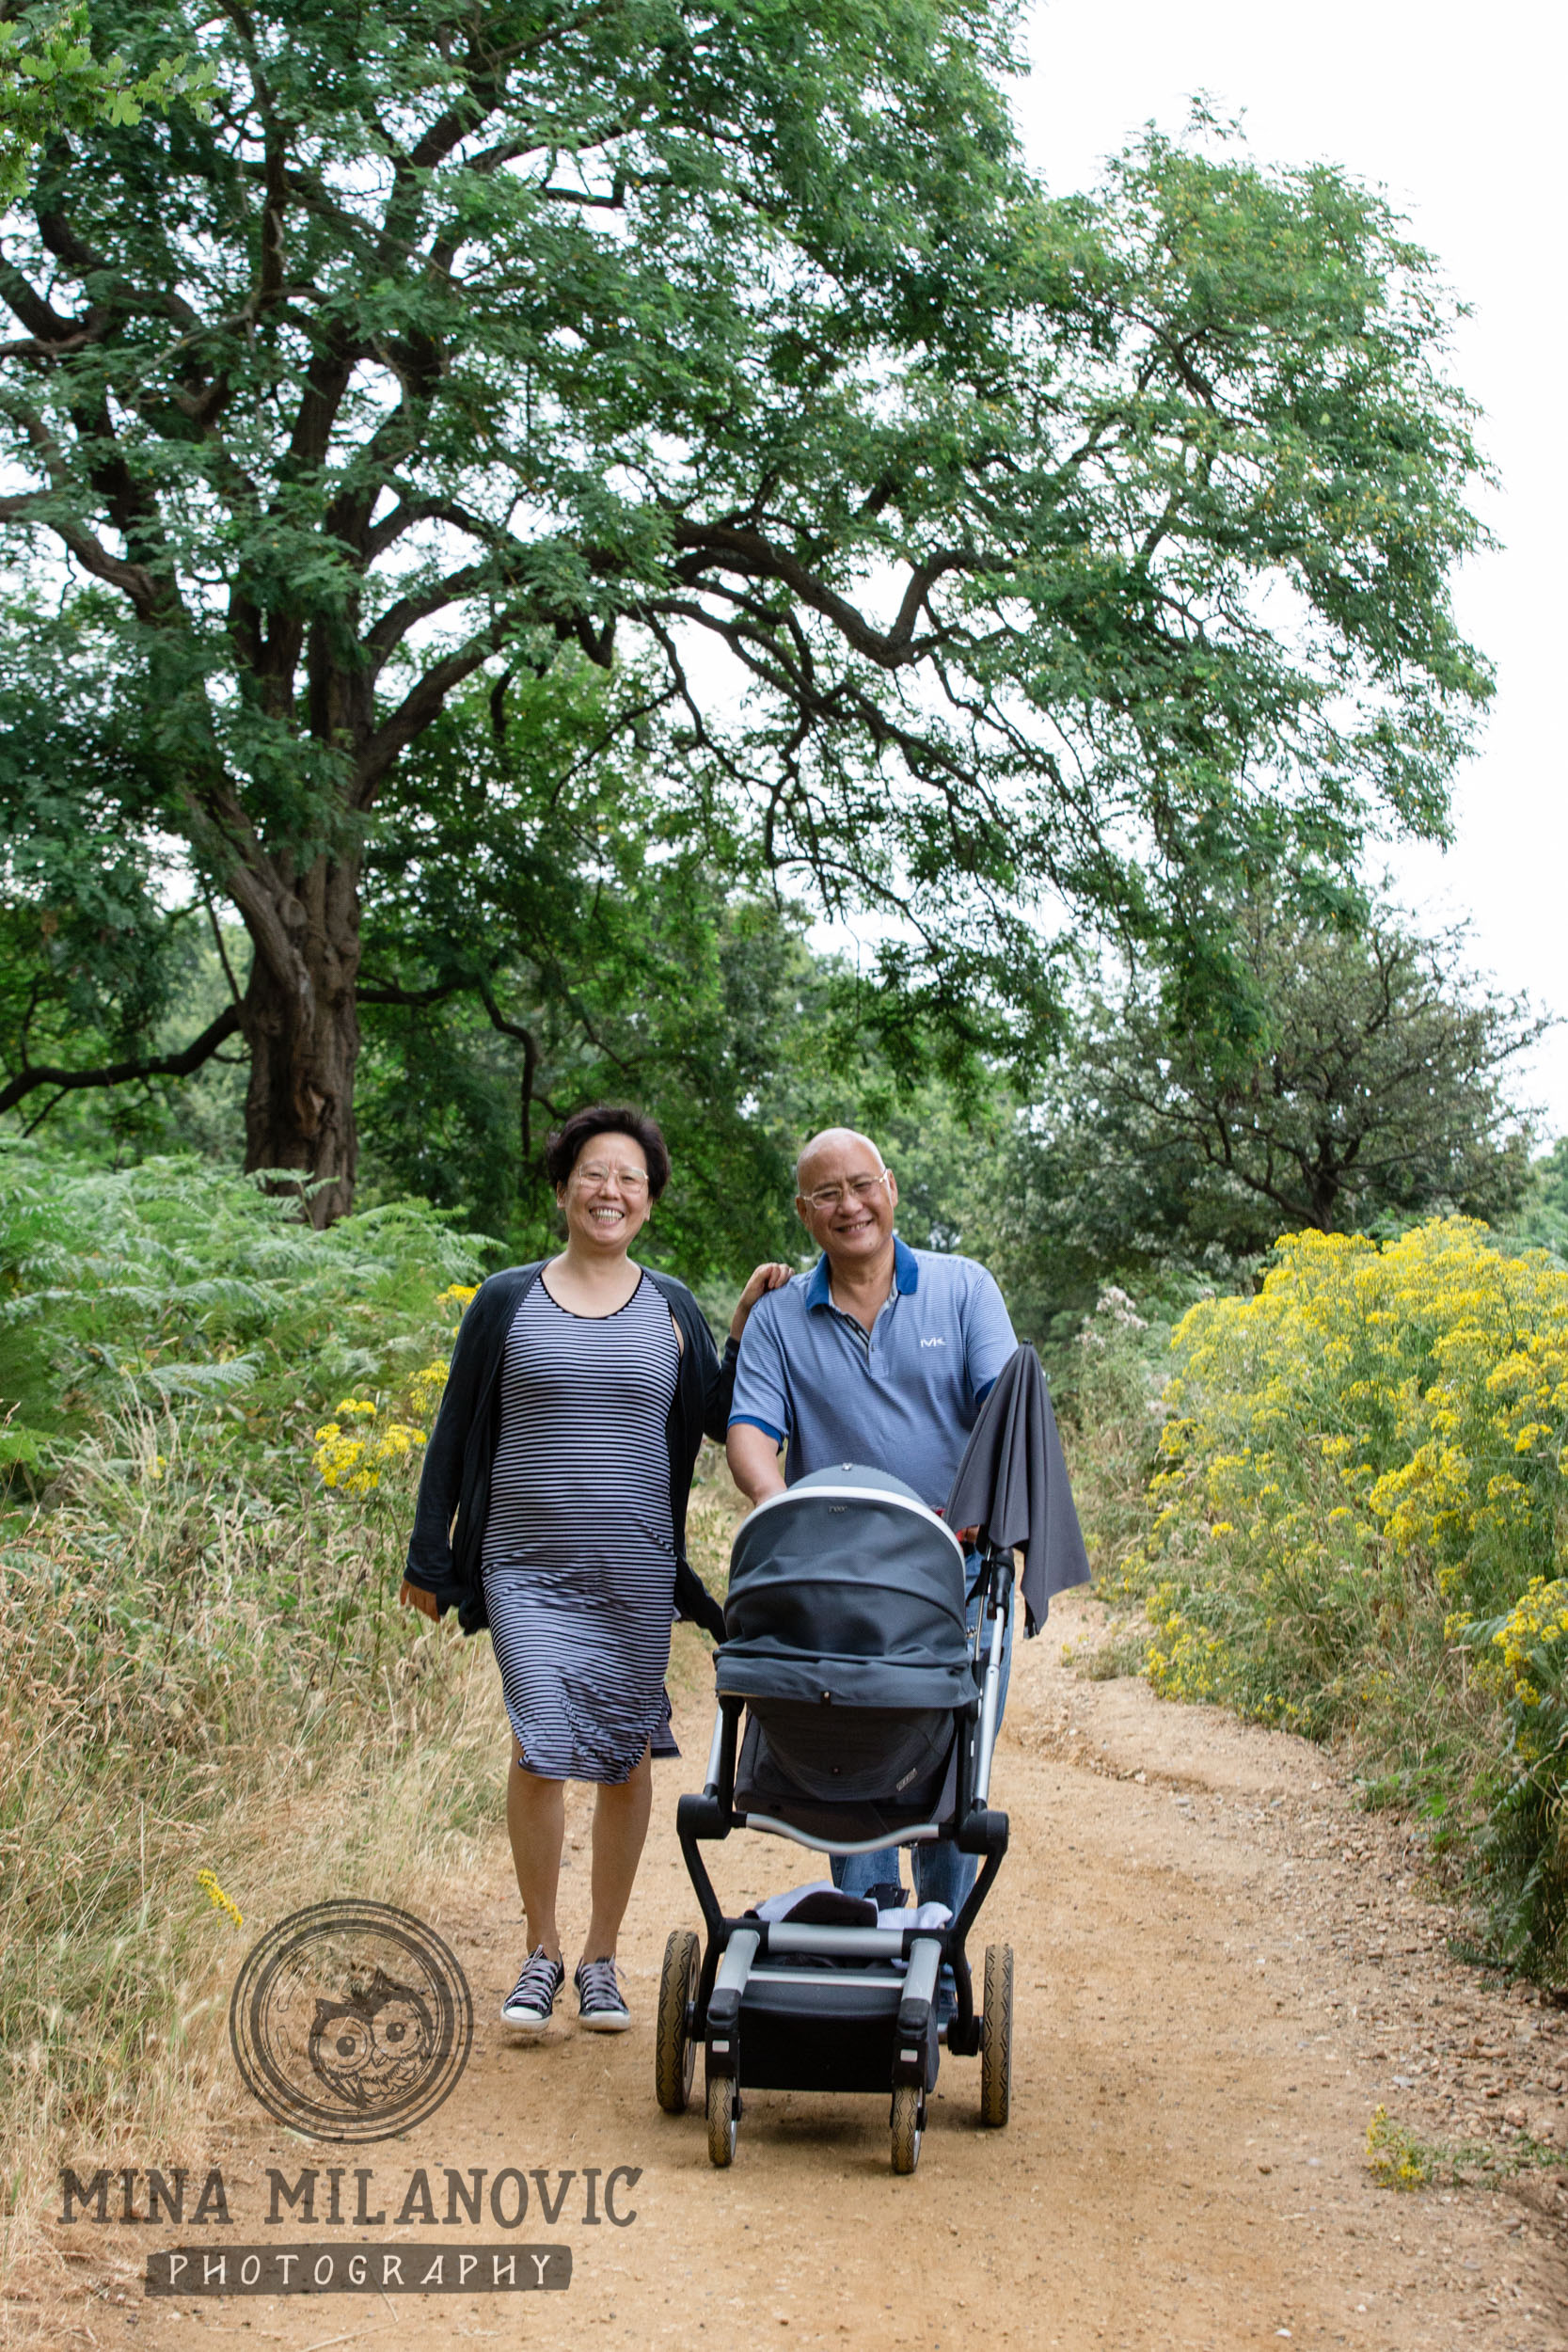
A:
942, 1873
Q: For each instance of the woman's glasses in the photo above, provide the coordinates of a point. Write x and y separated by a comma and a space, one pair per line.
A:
631, 1180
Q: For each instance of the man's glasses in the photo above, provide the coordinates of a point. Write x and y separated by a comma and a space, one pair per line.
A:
631, 1180
858, 1189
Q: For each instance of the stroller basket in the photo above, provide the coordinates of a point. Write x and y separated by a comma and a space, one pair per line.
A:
854, 1712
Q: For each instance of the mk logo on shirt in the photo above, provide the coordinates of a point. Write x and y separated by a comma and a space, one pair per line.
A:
936, 1342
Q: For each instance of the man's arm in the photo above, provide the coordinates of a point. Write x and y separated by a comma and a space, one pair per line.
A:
759, 1415
753, 1458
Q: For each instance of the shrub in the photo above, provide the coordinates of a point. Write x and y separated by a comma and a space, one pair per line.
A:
1361, 1491
1108, 1395
1522, 1657
174, 1283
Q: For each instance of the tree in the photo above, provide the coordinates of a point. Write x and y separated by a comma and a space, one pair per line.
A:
938, 517
1541, 1220
536, 932
1371, 1081
535, 936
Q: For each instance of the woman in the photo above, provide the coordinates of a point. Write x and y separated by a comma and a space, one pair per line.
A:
561, 1463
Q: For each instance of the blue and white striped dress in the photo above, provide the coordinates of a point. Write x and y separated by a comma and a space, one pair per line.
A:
580, 1554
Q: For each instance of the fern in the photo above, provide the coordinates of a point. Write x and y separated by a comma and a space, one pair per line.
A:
174, 1280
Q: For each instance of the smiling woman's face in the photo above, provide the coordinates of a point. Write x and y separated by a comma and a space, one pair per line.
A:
606, 1198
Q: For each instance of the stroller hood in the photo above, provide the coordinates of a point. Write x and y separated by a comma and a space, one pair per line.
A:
847, 1589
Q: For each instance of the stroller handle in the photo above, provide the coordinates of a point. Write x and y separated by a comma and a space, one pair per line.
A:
715, 1754
995, 1605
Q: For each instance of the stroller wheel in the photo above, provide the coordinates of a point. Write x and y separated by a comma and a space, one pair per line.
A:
909, 2117
721, 2120
997, 2037
674, 2052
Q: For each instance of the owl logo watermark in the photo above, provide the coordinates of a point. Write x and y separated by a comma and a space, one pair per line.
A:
351, 2021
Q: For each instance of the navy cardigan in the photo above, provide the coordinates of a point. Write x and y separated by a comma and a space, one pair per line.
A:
447, 1547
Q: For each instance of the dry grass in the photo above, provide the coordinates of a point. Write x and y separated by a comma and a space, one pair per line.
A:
717, 1508
196, 1679
203, 1676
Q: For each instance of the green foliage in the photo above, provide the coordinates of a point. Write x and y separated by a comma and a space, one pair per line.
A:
198, 1632
1107, 1386
173, 1285
1541, 1220
535, 935
51, 83
540, 929
642, 331
92, 956
1400, 2158
1520, 1657
209, 1682
1350, 1074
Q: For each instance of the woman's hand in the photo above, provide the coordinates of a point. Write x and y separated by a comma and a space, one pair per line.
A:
415, 1597
770, 1277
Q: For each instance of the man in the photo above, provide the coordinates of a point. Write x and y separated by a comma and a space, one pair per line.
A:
881, 1355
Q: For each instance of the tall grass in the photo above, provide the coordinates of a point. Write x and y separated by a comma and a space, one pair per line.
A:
205, 1668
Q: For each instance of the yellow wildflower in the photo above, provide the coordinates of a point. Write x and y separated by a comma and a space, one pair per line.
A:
207, 1881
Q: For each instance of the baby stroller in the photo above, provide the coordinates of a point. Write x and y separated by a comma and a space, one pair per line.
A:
853, 1713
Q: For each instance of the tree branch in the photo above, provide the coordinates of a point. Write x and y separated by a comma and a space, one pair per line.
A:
118, 1074
751, 552
423, 703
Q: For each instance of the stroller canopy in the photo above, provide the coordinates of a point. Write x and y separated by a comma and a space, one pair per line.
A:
847, 1589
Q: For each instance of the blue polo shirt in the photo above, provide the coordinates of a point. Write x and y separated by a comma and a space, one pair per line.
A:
902, 1397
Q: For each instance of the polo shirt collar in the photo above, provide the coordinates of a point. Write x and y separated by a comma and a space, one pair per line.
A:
906, 1275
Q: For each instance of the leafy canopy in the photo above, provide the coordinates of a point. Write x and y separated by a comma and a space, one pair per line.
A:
985, 554
51, 81
535, 934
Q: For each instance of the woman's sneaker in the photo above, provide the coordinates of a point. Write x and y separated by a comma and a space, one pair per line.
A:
600, 2007
529, 2005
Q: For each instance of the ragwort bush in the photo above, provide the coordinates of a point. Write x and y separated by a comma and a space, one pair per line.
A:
1362, 1483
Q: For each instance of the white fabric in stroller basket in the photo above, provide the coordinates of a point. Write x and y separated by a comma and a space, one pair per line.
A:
910, 1916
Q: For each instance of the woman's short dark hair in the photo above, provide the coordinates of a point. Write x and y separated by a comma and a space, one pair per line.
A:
565, 1148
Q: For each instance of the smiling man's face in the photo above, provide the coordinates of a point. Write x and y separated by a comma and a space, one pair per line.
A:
847, 1197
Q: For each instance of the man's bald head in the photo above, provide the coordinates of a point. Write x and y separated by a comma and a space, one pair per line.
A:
834, 1144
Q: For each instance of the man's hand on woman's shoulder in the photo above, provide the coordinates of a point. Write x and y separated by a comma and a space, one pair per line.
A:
770, 1277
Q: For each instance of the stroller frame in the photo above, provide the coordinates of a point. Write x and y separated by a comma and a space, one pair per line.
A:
751, 1964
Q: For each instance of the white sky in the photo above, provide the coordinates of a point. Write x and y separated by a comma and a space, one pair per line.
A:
1456, 113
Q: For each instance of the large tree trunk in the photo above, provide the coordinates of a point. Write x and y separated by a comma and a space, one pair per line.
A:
302, 1028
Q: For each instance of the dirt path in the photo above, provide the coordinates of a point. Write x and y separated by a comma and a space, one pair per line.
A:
1222, 1971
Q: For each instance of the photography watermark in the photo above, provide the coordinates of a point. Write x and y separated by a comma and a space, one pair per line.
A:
194, 2270
351, 2021
428, 2198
